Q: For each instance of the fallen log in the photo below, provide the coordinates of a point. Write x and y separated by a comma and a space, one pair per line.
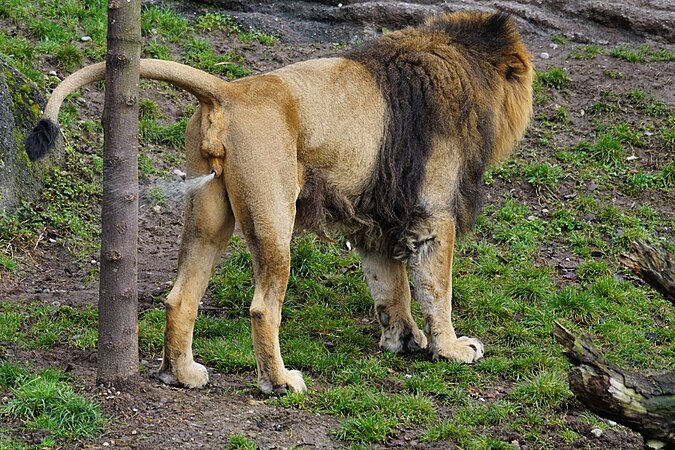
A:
653, 265
642, 402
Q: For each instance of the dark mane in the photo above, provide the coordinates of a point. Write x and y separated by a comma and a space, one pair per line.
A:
487, 33
433, 85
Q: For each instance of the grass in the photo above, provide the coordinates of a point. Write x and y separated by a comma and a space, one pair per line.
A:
214, 21
544, 176
555, 77
236, 442
46, 401
642, 53
534, 258
586, 52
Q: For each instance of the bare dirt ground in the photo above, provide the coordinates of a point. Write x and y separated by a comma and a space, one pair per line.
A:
155, 416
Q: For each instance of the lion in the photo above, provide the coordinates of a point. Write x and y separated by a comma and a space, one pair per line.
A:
386, 143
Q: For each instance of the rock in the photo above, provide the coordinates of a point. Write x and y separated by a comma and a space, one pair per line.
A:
601, 22
19, 178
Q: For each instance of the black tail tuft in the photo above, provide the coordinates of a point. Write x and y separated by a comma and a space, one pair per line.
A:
41, 139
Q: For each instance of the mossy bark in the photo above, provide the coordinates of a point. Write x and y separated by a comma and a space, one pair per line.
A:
654, 265
643, 402
21, 108
118, 299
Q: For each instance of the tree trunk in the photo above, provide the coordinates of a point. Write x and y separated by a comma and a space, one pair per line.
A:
643, 402
118, 294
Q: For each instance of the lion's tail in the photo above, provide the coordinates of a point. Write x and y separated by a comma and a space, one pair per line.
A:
206, 87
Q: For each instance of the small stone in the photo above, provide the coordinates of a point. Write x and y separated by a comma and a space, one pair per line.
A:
655, 444
157, 209
180, 174
554, 46
85, 38
597, 432
544, 55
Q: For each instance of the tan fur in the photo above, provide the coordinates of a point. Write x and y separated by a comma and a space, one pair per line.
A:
262, 135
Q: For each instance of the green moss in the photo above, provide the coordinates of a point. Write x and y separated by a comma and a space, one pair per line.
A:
24, 107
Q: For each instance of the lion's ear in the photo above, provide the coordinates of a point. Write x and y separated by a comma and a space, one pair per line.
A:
516, 64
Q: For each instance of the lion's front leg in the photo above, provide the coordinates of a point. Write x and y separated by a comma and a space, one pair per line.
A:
388, 283
432, 279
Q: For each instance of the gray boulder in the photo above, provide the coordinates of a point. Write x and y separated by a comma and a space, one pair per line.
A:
21, 108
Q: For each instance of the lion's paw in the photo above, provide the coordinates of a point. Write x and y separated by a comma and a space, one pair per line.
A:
292, 382
464, 349
403, 339
193, 375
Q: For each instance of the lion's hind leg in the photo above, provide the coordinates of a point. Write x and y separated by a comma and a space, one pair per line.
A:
268, 237
208, 226
432, 280
261, 173
388, 283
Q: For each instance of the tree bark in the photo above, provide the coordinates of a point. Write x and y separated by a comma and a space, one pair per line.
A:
643, 402
654, 265
118, 294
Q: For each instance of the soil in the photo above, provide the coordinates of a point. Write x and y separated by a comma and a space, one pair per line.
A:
155, 416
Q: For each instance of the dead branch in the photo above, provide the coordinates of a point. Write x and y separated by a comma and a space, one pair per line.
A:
642, 402
654, 265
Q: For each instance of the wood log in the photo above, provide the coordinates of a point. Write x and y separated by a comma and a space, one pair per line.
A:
653, 265
642, 402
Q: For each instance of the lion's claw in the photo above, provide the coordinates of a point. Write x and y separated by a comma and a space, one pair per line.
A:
193, 375
464, 349
293, 382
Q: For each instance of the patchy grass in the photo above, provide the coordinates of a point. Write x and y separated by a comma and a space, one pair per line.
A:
214, 21
45, 401
554, 77
545, 249
642, 53
586, 52
236, 442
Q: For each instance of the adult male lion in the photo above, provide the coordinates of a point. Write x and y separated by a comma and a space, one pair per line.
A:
387, 143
